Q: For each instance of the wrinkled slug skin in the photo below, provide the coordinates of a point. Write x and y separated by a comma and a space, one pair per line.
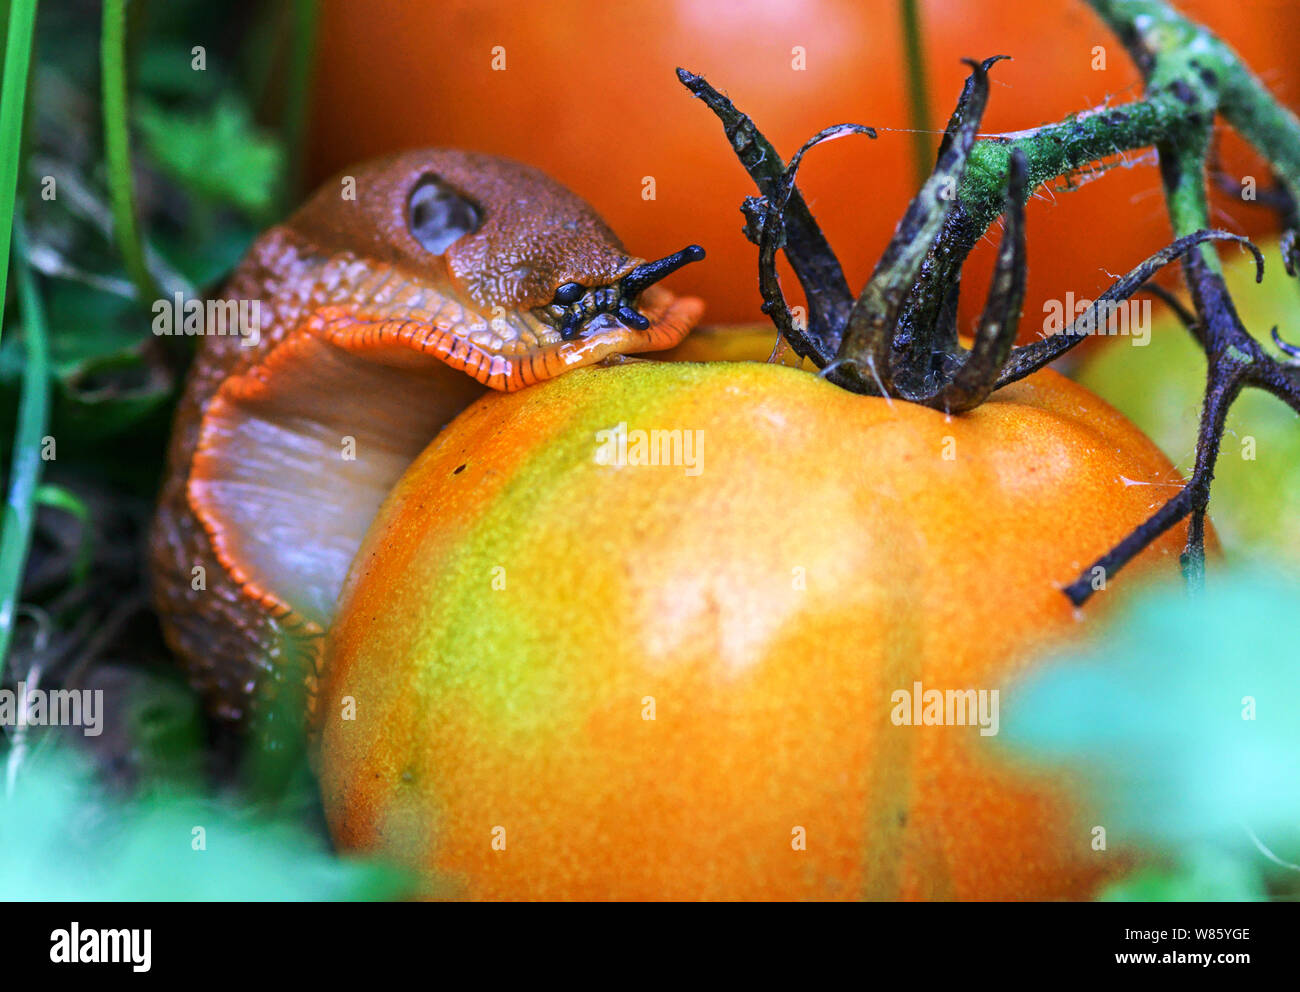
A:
286, 441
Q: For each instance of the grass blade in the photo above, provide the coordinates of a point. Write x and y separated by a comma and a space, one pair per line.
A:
25, 469
13, 98
117, 141
306, 18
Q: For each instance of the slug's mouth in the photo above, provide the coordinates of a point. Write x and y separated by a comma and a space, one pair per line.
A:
577, 309
601, 308
298, 449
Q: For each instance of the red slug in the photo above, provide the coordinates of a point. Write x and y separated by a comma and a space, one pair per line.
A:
387, 303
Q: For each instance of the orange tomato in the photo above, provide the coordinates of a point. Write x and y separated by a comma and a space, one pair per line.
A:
729, 343
559, 673
587, 92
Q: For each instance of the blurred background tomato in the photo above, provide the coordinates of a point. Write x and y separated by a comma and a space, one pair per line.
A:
588, 94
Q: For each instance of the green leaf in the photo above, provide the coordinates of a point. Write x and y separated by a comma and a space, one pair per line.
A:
62, 838
219, 154
206, 260
166, 69
59, 498
87, 324
1182, 713
1204, 876
107, 397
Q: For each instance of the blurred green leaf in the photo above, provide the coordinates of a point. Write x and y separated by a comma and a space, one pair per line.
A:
106, 397
61, 838
164, 68
99, 399
207, 260
1203, 875
1182, 713
86, 323
217, 154
103, 386
60, 498
164, 724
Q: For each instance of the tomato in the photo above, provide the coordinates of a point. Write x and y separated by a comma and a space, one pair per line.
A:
1255, 497
728, 343
587, 92
559, 673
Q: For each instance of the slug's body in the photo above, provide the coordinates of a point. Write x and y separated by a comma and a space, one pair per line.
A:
382, 315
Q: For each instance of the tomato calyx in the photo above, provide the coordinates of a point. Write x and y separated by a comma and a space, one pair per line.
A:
576, 306
1236, 361
898, 338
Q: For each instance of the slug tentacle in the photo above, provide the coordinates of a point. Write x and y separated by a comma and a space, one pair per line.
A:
651, 272
576, 308
382, 317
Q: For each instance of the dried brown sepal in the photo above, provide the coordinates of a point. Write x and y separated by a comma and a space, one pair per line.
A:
899, 338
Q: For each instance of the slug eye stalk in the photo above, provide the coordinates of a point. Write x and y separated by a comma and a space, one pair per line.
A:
574, 305
649, 273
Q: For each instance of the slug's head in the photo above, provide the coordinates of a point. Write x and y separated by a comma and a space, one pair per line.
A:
524, 272
576, 308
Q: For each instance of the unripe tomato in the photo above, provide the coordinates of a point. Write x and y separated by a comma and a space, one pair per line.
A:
560, 674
